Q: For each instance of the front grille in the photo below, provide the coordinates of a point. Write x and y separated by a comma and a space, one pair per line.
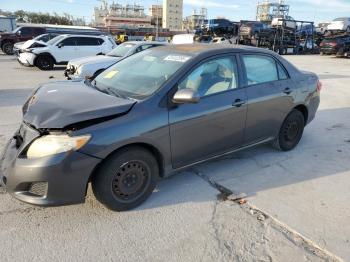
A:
38, 188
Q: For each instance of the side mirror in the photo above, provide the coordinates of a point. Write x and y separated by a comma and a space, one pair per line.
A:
18, 33
60, 45
187, 95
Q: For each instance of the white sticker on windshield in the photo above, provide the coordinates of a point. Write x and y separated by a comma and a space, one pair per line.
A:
177, 58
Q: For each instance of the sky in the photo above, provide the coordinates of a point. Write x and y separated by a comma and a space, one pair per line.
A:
310, 10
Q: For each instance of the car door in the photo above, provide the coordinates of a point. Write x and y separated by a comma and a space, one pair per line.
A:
216, 124
26, 33
65, 50
88, 46
270, 96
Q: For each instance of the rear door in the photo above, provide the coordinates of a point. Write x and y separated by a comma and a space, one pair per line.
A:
270, 96
89, 46
216, 124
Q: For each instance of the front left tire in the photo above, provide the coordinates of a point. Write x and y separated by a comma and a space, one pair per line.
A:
126, 179
7, 48
44, 62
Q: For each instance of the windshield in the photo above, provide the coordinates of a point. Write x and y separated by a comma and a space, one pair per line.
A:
140, 75
16, 30
121, 50
55, 39
340, 19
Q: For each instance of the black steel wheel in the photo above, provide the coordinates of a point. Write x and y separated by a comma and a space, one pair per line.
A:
291, 131
44, 62
126, 179
8, 48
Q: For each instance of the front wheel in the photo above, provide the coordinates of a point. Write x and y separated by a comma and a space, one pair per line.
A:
126, 179
44, 62
291, 131
8, 48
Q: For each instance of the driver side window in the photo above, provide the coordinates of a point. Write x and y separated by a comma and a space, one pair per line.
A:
214, 76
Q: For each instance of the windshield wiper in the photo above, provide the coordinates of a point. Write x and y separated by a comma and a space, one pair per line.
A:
89, 83
116, 93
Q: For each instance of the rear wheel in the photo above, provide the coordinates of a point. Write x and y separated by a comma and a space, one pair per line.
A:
291, 131
44, 62
126, 179
8, 48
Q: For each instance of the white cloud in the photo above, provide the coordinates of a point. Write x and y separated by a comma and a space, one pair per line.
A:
207, 4
70, 1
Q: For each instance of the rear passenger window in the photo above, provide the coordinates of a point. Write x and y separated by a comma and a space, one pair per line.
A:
282, 73
260, 69
89, 41
70, 41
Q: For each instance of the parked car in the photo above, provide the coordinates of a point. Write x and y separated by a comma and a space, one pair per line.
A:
151, 115
221, 26
335, 45
251, 29
306, 30
287, 23
92, 66
340, 24
24, 33
322, 28
20, 34
63, 48
32, 42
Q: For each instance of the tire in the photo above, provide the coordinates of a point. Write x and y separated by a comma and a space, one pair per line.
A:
7, 48
126, 179
44, 62
291, 131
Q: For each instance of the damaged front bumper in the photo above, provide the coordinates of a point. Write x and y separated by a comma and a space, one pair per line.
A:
26, 59
55, 180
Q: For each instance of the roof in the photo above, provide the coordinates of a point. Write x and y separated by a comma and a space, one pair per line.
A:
198, 48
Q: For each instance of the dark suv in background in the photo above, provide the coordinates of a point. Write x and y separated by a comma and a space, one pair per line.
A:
20, 34
251, 29
335, 45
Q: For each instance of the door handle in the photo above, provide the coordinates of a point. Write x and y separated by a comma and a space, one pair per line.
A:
287, 91
238, 103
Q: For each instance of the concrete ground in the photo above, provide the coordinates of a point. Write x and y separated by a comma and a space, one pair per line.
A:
296, 207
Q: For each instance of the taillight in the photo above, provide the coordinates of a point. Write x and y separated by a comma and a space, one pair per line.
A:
319, 86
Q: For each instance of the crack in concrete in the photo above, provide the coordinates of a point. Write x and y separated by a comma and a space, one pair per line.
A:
295, 237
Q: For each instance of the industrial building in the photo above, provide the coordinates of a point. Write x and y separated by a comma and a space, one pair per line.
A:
172, 14
195, 20
268, 10
121, 16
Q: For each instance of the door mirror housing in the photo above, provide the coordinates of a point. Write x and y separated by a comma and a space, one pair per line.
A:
60, 45
186, 96
18, 33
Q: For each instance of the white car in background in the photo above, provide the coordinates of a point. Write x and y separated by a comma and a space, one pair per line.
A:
63, 48
92, 66
221, 40
340, 24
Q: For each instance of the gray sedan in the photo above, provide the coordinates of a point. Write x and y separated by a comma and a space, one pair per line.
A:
91, 66
151, 115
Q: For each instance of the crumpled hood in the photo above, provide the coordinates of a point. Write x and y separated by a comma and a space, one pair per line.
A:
93, 60
60, 104
29, 43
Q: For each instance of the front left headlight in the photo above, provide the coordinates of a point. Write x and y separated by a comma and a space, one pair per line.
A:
55, 144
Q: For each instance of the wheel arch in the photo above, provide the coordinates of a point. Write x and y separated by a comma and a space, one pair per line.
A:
44, 54
151, 148
303, 109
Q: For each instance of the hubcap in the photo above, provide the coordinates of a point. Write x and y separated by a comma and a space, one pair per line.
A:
131, 180
291, 131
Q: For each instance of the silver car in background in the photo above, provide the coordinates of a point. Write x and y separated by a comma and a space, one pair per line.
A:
92, 66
